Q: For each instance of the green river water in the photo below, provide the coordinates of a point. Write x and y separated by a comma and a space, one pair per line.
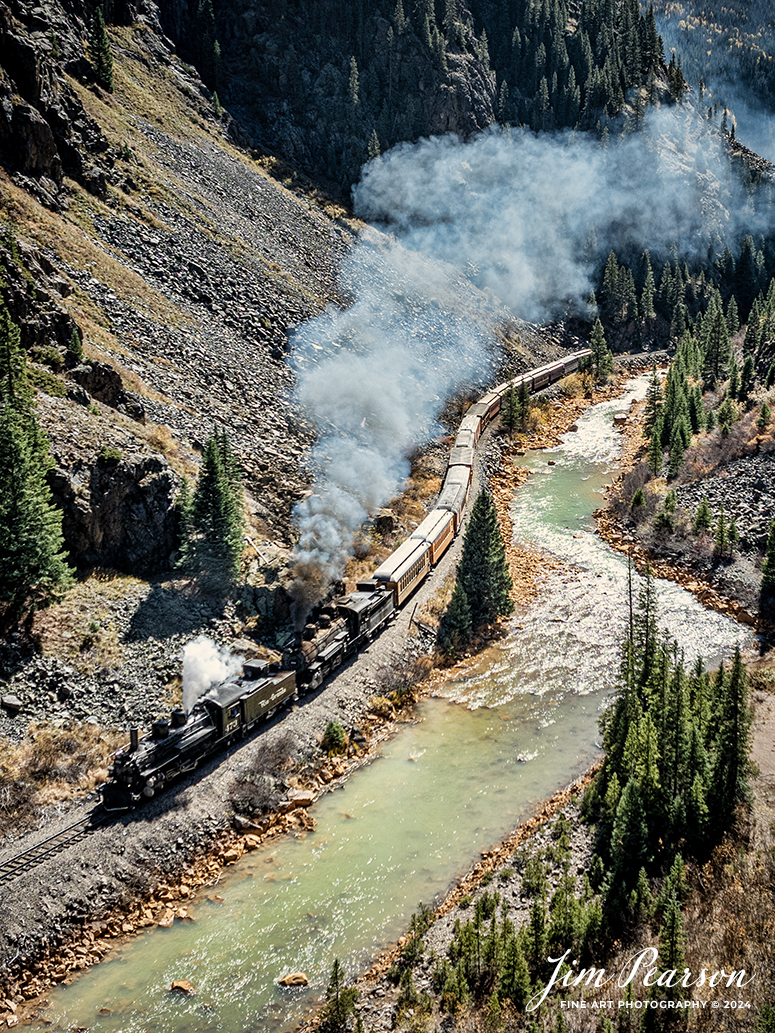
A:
520, 724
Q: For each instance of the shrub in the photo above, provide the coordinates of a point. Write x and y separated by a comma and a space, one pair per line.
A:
108, 455
335, 739
381, 706
663, 522
46, 382
49, 356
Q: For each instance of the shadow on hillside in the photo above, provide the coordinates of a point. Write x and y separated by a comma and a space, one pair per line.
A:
168, 611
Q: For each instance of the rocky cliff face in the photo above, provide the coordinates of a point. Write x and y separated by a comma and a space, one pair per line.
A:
45, 133
325, 81
118, 513
130, 222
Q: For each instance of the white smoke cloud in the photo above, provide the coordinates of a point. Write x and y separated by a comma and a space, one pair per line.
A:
513, 214
205, 664
374, 377
516, 209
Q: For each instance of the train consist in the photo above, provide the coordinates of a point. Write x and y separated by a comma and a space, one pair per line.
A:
337, 630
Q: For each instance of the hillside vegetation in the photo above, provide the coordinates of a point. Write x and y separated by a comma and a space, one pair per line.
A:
731, 43
331, 84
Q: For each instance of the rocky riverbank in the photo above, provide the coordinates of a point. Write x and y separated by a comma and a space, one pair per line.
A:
188, 835
744, 488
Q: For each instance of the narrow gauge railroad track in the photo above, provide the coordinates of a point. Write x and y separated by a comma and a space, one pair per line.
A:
35, 855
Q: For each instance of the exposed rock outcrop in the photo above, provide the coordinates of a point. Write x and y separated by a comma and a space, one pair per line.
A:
104, 383
118, 513
44, 129
32, 290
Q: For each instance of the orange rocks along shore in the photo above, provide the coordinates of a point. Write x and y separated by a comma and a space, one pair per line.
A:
167, 904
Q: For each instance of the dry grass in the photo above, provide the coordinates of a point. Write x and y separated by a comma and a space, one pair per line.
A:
575, 386
82, 628
161, 439
52, 764
434, 608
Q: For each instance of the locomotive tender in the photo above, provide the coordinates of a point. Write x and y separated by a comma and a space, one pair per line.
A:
337, 631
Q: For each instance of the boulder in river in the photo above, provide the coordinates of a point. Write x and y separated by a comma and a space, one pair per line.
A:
294, 979
182, 986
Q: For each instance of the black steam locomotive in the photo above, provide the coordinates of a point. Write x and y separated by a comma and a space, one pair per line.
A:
335, 632
230, 711
234, 708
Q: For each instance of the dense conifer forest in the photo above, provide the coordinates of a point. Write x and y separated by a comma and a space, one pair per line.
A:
334, 84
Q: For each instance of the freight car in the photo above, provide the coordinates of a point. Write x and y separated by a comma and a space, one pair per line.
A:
334, 633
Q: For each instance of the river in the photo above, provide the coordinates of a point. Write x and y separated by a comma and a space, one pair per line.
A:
519, 724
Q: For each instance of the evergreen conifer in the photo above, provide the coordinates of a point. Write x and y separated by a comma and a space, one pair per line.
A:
101, 54
602, 359
703, 520
763, 421
215, 525
729, 779
483, 572
455, 627
33, 571
767, 591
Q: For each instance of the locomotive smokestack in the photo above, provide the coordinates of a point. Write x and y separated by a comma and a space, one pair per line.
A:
134, 739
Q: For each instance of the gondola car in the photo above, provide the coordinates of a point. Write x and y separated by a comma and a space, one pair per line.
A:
175, 747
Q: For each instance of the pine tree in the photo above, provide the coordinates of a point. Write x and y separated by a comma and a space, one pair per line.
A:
340, 1002
514, 984
483, 571
510, 410
703, 520
746, 378
653, 403
729, 785
722, 537
763, 421
455, 627
216, 522
602, 359
101, 54
672, 941
767, 591
33, 571
75, 348
655, 456
629, 840
14, 388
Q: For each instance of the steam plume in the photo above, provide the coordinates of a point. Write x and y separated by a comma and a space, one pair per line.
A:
524, 218
519, 211
375, 377
205, 664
